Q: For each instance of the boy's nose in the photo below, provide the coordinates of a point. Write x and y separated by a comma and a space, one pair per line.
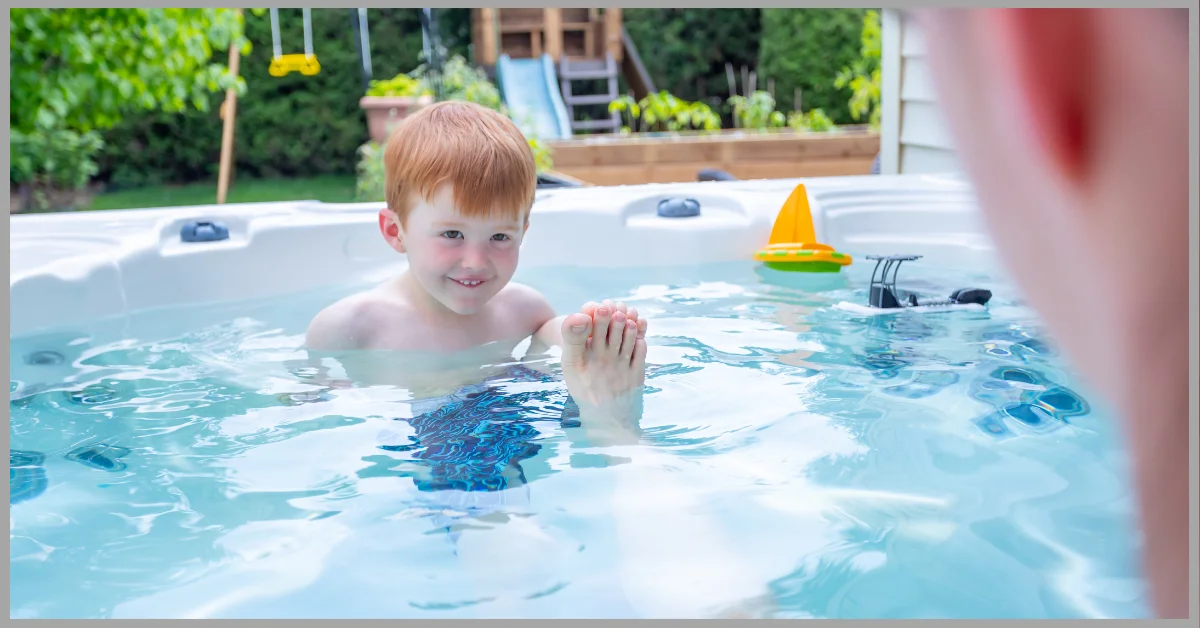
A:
474, 258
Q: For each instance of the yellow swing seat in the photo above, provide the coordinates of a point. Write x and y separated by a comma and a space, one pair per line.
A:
305, 64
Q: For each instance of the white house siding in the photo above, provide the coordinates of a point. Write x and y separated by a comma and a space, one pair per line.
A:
914, 137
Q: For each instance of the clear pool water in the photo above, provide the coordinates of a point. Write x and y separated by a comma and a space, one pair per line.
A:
798, 461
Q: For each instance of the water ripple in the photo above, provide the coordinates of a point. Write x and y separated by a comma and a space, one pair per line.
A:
916, 466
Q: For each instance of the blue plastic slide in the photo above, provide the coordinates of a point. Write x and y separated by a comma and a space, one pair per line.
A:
530, 91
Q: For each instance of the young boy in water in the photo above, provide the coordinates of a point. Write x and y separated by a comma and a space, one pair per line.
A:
460, 181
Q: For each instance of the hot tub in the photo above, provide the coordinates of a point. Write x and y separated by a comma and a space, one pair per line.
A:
172, 454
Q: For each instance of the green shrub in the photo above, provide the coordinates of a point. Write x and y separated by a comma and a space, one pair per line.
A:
293, 126
863, 76
685, 50
58, 159
806, 48
77, 72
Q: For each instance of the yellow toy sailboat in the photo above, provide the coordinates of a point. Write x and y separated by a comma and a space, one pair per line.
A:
793, 245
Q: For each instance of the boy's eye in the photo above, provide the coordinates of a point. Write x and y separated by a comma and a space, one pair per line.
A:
500, 237
453, 235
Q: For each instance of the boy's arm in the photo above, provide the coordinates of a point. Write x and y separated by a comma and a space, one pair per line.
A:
548, 335
542, 320
344, 326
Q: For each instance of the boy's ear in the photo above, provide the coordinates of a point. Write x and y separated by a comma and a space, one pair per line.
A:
389, 227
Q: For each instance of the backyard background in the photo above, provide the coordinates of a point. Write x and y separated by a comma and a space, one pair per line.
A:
118, 108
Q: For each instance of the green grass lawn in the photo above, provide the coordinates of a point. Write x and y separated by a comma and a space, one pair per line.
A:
328, 188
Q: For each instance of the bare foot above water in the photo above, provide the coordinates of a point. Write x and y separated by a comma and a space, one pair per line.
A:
604, 366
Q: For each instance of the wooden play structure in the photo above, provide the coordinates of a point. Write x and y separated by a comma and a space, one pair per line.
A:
586, 45
591, 46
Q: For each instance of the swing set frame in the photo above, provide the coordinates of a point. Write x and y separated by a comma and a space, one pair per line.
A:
281, 65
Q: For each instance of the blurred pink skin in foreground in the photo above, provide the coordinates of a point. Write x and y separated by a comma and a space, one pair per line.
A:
1073, 126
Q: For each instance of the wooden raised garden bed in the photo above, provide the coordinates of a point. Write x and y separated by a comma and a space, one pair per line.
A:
630, 160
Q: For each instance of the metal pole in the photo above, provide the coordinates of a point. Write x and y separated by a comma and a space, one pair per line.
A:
365, 42
364, 52
426, 45
307, 32
275, 32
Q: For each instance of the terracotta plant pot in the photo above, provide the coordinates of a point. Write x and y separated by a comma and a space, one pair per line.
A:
383, 112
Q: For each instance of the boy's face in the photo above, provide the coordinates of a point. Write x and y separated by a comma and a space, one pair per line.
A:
461, 262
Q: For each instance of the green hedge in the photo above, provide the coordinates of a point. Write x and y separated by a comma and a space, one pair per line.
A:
806, 49
685, 50
290, 126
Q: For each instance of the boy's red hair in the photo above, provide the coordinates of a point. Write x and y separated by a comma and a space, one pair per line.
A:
478, 151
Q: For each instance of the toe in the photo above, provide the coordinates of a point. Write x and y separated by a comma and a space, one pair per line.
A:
642, 325
639, 354
616, 329
600, 321
628, 338
575, 332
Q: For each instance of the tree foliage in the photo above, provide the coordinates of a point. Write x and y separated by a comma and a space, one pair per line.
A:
685, 50
806, 48
75, 72
290, 126
83, 69
864, 76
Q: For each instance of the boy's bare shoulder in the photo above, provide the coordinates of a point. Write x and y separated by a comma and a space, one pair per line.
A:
525, 303
353, 322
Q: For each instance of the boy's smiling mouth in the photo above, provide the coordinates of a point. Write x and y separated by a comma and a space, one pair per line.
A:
468, 283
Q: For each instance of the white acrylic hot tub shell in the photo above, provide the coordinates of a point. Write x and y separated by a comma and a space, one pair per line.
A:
67, 268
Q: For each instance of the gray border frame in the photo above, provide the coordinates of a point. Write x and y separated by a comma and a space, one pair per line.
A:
1194, 332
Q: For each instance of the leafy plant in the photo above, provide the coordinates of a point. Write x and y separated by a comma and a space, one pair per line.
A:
664, 112
542, 157
863, 77
462, 81
79, 71
399, 86
756, 111
813, 120
370, 180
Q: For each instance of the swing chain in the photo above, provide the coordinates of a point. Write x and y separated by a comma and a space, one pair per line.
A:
308, 47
